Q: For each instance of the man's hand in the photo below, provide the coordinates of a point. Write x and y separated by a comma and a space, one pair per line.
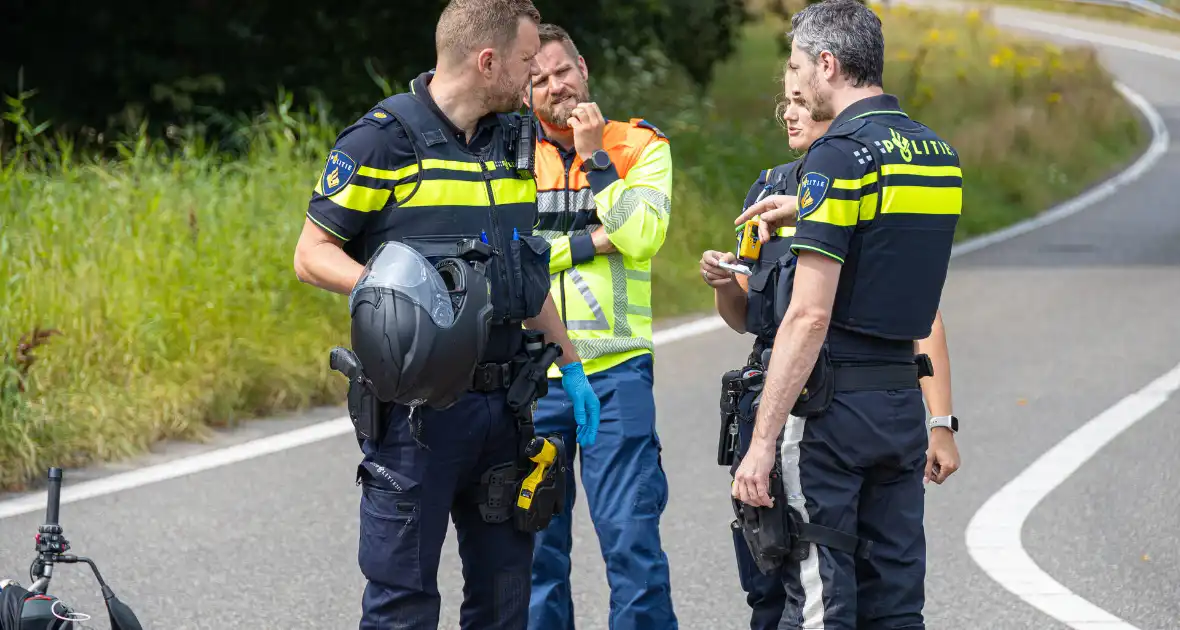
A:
588, 125
751, 482
942, 457
714, 275
775, 211
602, 244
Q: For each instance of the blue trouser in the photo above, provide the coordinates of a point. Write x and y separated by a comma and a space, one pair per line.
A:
626, 491
403, 519
765, 594
858, 468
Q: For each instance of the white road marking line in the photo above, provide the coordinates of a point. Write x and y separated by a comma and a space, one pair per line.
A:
339, 426
266, 445
993, 535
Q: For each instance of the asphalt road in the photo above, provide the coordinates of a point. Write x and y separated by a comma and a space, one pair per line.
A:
1046, 330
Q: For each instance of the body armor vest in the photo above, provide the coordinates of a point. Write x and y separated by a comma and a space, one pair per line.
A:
455, 195
892, 277
773, 275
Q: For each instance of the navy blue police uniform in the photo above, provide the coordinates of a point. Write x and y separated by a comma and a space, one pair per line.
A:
404, 172
881, 194
765, 593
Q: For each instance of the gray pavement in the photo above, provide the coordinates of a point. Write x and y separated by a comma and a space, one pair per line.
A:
1046, 331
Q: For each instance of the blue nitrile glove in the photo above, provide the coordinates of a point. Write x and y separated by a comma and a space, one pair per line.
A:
573, 381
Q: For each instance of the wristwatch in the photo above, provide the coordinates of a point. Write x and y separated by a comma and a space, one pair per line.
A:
599, 161
950, 422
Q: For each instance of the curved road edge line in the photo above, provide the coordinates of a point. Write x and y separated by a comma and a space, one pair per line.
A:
1155, 150
336, 427
994, 533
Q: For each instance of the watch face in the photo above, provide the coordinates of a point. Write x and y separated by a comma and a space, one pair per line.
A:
601, 159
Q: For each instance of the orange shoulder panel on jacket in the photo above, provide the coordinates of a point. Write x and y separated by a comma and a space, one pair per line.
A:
549, 169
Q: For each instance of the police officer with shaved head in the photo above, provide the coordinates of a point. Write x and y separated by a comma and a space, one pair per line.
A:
875, 213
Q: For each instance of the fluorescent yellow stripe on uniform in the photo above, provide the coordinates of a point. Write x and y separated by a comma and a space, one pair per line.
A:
838, 212
917, 169
922, 200
362, 198
377, 173
452, 192
855, 184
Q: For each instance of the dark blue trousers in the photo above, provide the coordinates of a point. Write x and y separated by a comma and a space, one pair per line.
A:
858, 468
626, 491
403, 520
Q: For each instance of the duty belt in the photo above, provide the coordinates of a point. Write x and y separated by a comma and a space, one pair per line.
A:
828, 377
489, 377
856, 378
852, 377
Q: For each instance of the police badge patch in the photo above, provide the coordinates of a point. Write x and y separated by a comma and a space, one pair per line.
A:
813, 187
337, 173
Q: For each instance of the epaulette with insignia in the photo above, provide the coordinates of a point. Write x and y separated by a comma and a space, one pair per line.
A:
378, 116
639, 122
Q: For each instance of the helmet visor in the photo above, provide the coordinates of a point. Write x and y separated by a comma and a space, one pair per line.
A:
410, 276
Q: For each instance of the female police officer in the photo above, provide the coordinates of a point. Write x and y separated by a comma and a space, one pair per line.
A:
766, 594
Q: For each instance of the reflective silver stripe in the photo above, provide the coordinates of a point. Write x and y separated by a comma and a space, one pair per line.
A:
599, 322
554, 200
642, 276
618, 288
594, 348
809, 578
632, 199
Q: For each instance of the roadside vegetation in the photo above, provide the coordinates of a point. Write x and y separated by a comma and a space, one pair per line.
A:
151, 295
1109, 13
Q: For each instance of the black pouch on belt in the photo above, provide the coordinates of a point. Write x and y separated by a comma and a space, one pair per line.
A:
735, 384
727, 440
817, 392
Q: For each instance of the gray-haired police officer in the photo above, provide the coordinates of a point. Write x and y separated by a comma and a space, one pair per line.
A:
440, 169
878, 203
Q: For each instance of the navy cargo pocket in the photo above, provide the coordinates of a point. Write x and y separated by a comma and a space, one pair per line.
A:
533, 261
390, 531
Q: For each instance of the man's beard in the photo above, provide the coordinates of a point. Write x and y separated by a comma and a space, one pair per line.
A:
503, 97
558, 115
820, 108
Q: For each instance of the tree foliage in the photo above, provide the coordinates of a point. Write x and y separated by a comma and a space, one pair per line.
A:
93, 63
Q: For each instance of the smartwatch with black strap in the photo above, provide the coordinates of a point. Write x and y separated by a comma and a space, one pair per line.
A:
599, 161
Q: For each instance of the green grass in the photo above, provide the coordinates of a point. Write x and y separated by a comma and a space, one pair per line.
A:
1112, 14
168, 275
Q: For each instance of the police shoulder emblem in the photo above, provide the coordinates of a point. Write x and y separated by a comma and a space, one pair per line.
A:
337, 173
813, 188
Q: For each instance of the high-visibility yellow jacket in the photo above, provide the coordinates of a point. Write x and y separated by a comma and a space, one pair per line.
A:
605, 299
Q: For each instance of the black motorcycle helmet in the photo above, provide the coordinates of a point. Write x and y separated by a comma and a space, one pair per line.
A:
419, 329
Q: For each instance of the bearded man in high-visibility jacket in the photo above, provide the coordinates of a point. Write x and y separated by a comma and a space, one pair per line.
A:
604, 191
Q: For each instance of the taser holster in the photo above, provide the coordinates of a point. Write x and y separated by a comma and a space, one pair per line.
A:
530, 490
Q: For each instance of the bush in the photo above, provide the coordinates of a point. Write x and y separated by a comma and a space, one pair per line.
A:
168, 276
187, 62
